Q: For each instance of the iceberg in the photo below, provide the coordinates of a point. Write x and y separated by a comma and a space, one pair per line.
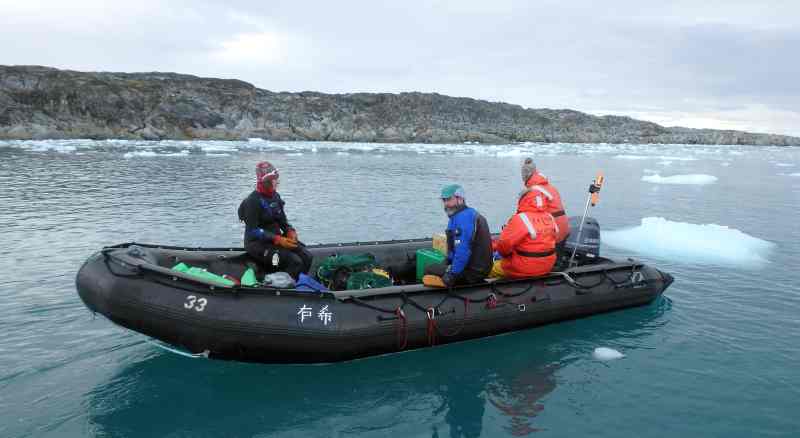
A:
691, 243
692, 179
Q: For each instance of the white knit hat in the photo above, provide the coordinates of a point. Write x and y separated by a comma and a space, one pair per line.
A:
528, 169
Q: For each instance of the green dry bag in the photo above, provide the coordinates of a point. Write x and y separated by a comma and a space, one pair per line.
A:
367, 280
336, 268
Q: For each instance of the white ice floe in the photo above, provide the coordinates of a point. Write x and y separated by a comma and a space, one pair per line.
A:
216, 148
60, 146
156, 154
663, 158
792, 174
692, 179
605, 353
691, 243
175, 154
662, 155
784, 164
725, 164
512, 153
632, 157
674, 158
139, 154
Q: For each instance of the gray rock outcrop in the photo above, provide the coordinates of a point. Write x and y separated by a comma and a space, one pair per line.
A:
41, 102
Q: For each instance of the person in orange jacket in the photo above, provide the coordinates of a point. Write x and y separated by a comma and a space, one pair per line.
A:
536, 183
527, 242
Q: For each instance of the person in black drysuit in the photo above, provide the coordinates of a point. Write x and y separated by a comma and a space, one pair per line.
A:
268, 236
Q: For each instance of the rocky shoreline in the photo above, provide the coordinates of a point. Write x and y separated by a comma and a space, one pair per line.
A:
46, 103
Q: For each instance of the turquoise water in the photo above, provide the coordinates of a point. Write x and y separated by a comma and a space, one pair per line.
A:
717, 356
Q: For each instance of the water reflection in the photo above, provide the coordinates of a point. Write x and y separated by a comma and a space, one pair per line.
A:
520, 398
447, 391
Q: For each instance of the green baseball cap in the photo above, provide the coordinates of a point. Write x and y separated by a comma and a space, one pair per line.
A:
452, 190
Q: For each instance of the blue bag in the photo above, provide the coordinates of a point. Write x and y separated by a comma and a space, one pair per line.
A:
307, 283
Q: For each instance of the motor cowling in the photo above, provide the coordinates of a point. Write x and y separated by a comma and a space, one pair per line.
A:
587, 244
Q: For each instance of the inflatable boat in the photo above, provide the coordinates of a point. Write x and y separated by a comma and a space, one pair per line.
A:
135, 286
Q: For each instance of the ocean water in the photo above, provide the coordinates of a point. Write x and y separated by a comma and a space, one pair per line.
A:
716, 356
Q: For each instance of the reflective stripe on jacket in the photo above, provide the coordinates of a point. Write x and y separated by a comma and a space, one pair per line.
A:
527, 243
538, 183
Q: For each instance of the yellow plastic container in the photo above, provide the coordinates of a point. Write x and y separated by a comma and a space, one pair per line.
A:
440, 242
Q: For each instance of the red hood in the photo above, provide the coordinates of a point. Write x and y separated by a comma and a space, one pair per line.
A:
528, 202
537, 179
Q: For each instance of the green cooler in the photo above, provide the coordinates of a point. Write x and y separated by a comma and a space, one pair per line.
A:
427, 257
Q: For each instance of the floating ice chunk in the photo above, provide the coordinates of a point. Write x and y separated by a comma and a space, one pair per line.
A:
632, 157
511, 153
692, 179
176, 154
139, 154
792, 174
784, 164
725, 164
669, 158
217, 149
65, 149
155, 154
692, 243
673, 158
605, 353
52, 146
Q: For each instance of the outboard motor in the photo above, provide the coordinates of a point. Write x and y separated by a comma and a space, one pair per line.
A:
588, 248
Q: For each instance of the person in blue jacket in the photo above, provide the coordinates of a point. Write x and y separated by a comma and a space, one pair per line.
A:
469, 242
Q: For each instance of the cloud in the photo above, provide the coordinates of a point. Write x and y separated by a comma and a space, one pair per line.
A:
716, 64
751, 118
264, 47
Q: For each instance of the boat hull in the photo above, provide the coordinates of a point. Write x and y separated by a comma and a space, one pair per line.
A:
287, 326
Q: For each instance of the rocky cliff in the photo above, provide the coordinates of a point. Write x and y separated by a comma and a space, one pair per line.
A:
40, 102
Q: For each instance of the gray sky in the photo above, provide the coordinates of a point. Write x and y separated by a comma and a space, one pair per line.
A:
716, 64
